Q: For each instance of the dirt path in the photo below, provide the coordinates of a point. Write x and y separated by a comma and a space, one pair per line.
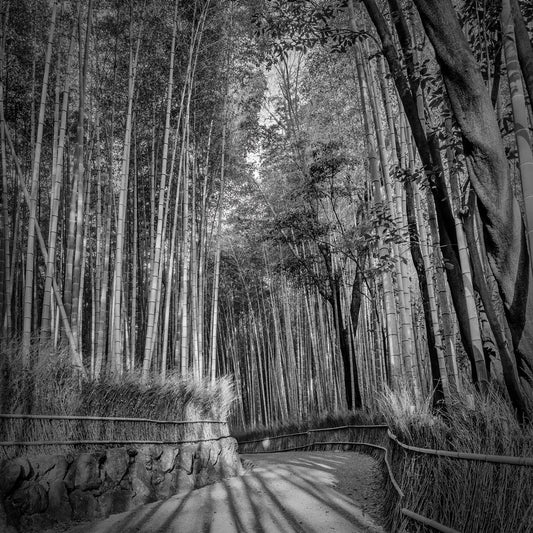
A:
284, 492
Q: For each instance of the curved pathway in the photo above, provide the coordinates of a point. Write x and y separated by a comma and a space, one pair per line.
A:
283, 492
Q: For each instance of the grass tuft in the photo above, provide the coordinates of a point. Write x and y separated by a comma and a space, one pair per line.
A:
466, 495
177, 398
47, 385
51, 386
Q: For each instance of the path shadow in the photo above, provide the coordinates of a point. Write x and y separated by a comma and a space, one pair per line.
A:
282, 494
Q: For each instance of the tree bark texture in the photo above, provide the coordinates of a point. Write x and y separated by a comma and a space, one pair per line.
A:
489, 174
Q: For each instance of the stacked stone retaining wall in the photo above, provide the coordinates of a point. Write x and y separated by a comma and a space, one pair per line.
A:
38, 492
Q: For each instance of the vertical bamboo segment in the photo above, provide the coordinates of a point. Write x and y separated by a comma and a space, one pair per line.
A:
389, 299
5, 259
80, 171
402, 253
30, 251
171, 263
171, 266
419, 252
437, 285
57, 177
216, 274
185, 261
472, 318
116, 362
154, 293
520, 115
193, 275
76, 357
101, 321
134, 261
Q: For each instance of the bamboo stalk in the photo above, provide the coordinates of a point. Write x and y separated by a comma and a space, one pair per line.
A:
520, 115
118, 302
154, 293
30, 251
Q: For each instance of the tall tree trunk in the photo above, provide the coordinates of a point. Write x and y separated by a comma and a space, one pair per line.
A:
488, 169
428, 149
335, 300
495, 315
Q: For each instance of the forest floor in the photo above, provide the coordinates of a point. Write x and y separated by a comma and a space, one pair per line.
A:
283, 492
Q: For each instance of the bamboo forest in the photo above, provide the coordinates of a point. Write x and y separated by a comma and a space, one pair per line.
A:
321, 208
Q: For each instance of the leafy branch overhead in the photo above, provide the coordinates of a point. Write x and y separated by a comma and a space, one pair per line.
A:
301, 25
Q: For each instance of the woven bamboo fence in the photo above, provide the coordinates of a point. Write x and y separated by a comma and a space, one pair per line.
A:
40, 434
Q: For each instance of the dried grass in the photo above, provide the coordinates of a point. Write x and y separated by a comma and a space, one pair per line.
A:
471, 496
48, 386
53, 387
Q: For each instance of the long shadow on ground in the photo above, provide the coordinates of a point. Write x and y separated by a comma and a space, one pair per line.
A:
285, 492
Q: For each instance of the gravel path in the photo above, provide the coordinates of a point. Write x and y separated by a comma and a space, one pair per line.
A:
284, 492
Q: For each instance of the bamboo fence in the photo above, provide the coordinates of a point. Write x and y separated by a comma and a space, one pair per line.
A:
36, 434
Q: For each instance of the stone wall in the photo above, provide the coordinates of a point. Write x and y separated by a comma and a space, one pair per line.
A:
38, 492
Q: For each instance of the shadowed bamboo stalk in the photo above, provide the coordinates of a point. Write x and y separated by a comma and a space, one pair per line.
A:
30, 250
389, 304
401, 252
520, 116
79, 170
154, 290
57, 177
6, 272
399, 360
118, 298
216, 275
